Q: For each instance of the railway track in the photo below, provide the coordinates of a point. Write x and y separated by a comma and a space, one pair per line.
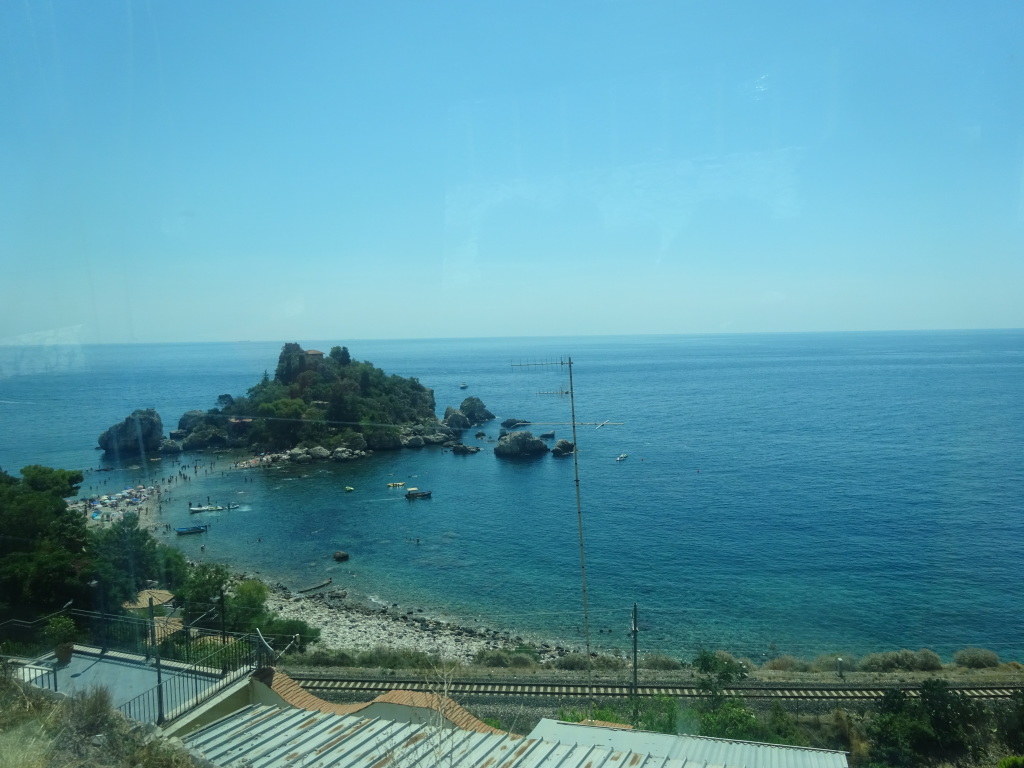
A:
571, 690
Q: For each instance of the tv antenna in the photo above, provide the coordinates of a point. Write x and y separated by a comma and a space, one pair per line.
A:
567, 362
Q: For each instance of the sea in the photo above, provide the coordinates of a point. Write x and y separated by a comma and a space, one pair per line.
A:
808, 494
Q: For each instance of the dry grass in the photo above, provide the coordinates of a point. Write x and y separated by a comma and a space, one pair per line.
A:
39, 729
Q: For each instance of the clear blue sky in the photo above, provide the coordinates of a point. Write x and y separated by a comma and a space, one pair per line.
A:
191, 171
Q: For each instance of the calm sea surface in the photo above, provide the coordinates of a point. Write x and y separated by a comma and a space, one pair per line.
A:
783, 493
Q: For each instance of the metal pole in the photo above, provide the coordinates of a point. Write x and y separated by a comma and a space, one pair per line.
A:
156, 655
579, 520
634, 630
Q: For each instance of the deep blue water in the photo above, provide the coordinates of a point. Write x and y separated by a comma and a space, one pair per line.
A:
802, 493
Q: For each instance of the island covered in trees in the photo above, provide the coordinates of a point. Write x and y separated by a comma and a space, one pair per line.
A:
330, 407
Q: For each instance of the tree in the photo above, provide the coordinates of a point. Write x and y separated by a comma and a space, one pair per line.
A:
940, 727
125, 558
202, 590
43, 556
341, 355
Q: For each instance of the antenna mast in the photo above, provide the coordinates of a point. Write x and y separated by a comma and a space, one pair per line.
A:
579, 505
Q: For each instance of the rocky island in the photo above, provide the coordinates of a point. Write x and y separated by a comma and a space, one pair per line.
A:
319, 407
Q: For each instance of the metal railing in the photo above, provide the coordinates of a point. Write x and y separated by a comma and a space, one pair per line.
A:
185, 687
192, 664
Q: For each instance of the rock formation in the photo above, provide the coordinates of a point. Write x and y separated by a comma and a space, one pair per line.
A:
190, 420
455, 419
475, 410
465, 450
137, 435
517, 444
562, 448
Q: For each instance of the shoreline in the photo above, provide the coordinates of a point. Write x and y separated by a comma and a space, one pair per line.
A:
347, 624
345, 621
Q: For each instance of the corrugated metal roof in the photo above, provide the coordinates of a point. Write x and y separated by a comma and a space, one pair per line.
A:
269, 737
701, 750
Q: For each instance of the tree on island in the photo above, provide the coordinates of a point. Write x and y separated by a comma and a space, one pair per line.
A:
333, 402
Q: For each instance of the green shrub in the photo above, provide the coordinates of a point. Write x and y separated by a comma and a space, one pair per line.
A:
976, 658
575, 662
927, 660
659, 661
322, 657
521, 661
491, 658
787, 663
605, 662
827, 662
1013, 761
392, 658
923, 660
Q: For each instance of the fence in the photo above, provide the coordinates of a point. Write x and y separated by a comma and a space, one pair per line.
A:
181, 687
191, 664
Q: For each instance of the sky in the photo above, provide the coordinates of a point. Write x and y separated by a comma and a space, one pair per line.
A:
196, 171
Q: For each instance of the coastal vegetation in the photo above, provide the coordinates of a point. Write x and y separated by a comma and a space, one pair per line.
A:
51, 560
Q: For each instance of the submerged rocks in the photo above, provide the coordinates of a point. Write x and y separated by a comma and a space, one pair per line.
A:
465, 450
520, 444
137, 435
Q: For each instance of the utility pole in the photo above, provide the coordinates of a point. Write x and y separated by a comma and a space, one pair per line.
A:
156, 654
636, 689
634, 632
567, 361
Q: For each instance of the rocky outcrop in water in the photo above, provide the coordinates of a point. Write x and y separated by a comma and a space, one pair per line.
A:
137, 435
475, 410
562, 448
520, 444
455, 419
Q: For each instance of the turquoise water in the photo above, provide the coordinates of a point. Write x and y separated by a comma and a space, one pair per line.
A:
801, 493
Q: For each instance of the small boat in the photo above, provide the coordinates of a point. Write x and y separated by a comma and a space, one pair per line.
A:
349, 489
207, 508
234, 506
192, 529
463, 385
621, 457
396, 485
416, 493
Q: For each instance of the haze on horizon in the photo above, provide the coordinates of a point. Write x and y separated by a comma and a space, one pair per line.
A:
263, 171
